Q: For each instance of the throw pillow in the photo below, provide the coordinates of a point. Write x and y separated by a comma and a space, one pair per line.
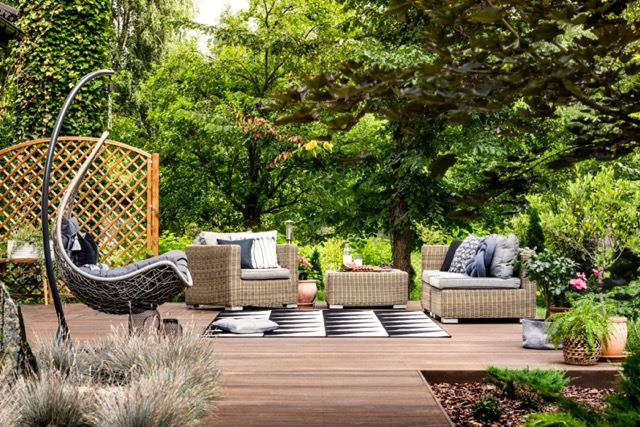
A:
210, 238
245, 326
504, 256
81, 248
449, 256
465, 251
263, 253
245, 250
478, 265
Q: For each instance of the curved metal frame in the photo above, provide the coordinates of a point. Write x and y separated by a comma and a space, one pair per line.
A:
63, 330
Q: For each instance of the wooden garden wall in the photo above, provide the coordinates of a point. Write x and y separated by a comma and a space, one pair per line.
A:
117, 202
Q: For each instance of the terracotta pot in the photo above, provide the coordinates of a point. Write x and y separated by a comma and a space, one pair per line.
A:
307, 291
617, 338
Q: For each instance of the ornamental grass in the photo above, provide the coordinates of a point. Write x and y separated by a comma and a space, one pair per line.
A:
121, 380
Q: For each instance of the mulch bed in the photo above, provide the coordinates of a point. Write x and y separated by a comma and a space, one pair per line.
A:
458, 401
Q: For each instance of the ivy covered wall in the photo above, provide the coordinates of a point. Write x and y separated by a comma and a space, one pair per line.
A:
63, 41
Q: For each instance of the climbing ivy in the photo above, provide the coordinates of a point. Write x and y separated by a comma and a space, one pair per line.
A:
63, 41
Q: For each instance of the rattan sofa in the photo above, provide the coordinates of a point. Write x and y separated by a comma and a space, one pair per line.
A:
216, 274
452, 304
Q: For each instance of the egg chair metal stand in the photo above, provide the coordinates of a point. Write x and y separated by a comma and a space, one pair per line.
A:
152, 281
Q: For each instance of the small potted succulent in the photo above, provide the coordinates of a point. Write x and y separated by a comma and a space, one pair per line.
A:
583, 330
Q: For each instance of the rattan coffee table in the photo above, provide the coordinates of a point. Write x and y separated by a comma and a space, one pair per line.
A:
360, 288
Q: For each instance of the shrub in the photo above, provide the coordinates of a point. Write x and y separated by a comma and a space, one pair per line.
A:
548, 383
488, 409
119, 381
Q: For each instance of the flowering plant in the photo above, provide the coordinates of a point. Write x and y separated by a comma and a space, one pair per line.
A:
581, 282
552, 274
305, 268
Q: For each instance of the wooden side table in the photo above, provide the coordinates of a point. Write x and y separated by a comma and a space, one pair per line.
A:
365, 288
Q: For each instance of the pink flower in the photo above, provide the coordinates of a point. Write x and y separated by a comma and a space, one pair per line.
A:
596, 272
579, 283
581, 276
304, 261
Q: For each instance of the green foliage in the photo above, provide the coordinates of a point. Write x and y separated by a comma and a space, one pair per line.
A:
316, 268
63, 41
523, 383
487, 409
559, 419
534, 237
169, 241
587, 319
551, 274
595, 216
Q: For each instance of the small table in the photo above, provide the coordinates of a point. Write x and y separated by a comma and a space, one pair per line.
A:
366, 288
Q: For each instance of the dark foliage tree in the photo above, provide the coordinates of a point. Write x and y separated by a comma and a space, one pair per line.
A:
485, 55
534, 236
63, 41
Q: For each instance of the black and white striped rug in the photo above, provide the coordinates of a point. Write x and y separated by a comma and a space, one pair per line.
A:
337, 323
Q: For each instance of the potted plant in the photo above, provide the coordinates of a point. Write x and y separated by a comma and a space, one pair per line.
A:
552, 274
24, 242
583, 330
307, 287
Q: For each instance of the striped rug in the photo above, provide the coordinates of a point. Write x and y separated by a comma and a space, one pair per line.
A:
338, 323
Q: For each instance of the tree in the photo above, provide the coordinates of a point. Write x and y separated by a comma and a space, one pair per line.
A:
62, 42
483, 56
143, 32
205, 119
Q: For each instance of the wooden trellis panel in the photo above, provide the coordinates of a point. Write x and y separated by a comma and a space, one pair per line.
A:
118, 201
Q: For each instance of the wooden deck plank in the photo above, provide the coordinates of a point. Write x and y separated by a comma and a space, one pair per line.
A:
328, 381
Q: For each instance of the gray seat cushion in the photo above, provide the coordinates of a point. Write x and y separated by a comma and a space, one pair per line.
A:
265, 274
179, 258
447, 280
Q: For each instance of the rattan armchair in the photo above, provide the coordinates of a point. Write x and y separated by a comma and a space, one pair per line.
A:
215, 270
453, 304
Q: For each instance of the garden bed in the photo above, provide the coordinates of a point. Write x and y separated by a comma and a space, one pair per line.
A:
458, 392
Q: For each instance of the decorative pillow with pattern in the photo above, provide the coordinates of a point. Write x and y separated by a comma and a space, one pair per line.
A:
464, 253
263, 252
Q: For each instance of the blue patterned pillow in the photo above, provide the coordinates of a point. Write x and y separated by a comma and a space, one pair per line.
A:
464, 253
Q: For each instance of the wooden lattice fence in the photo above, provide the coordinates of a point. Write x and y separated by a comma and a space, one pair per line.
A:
118, 201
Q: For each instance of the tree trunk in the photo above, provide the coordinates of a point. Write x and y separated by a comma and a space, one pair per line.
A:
251, 214
401, 236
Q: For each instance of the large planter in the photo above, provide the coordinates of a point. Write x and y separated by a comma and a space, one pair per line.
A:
614, 349
534, 334
22, 250
307, 290
574, 352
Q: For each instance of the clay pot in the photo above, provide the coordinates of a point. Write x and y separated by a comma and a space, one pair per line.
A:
617, 338
307, 290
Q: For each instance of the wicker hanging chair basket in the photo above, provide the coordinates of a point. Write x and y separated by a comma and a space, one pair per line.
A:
574, 352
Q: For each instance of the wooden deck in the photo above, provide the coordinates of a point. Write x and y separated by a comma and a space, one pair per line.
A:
332, 381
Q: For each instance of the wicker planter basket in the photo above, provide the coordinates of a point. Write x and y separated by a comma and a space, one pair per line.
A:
575, 352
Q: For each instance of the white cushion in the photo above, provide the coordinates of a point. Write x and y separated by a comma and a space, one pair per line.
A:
211, 237
245, 326
446, 280
265, 274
